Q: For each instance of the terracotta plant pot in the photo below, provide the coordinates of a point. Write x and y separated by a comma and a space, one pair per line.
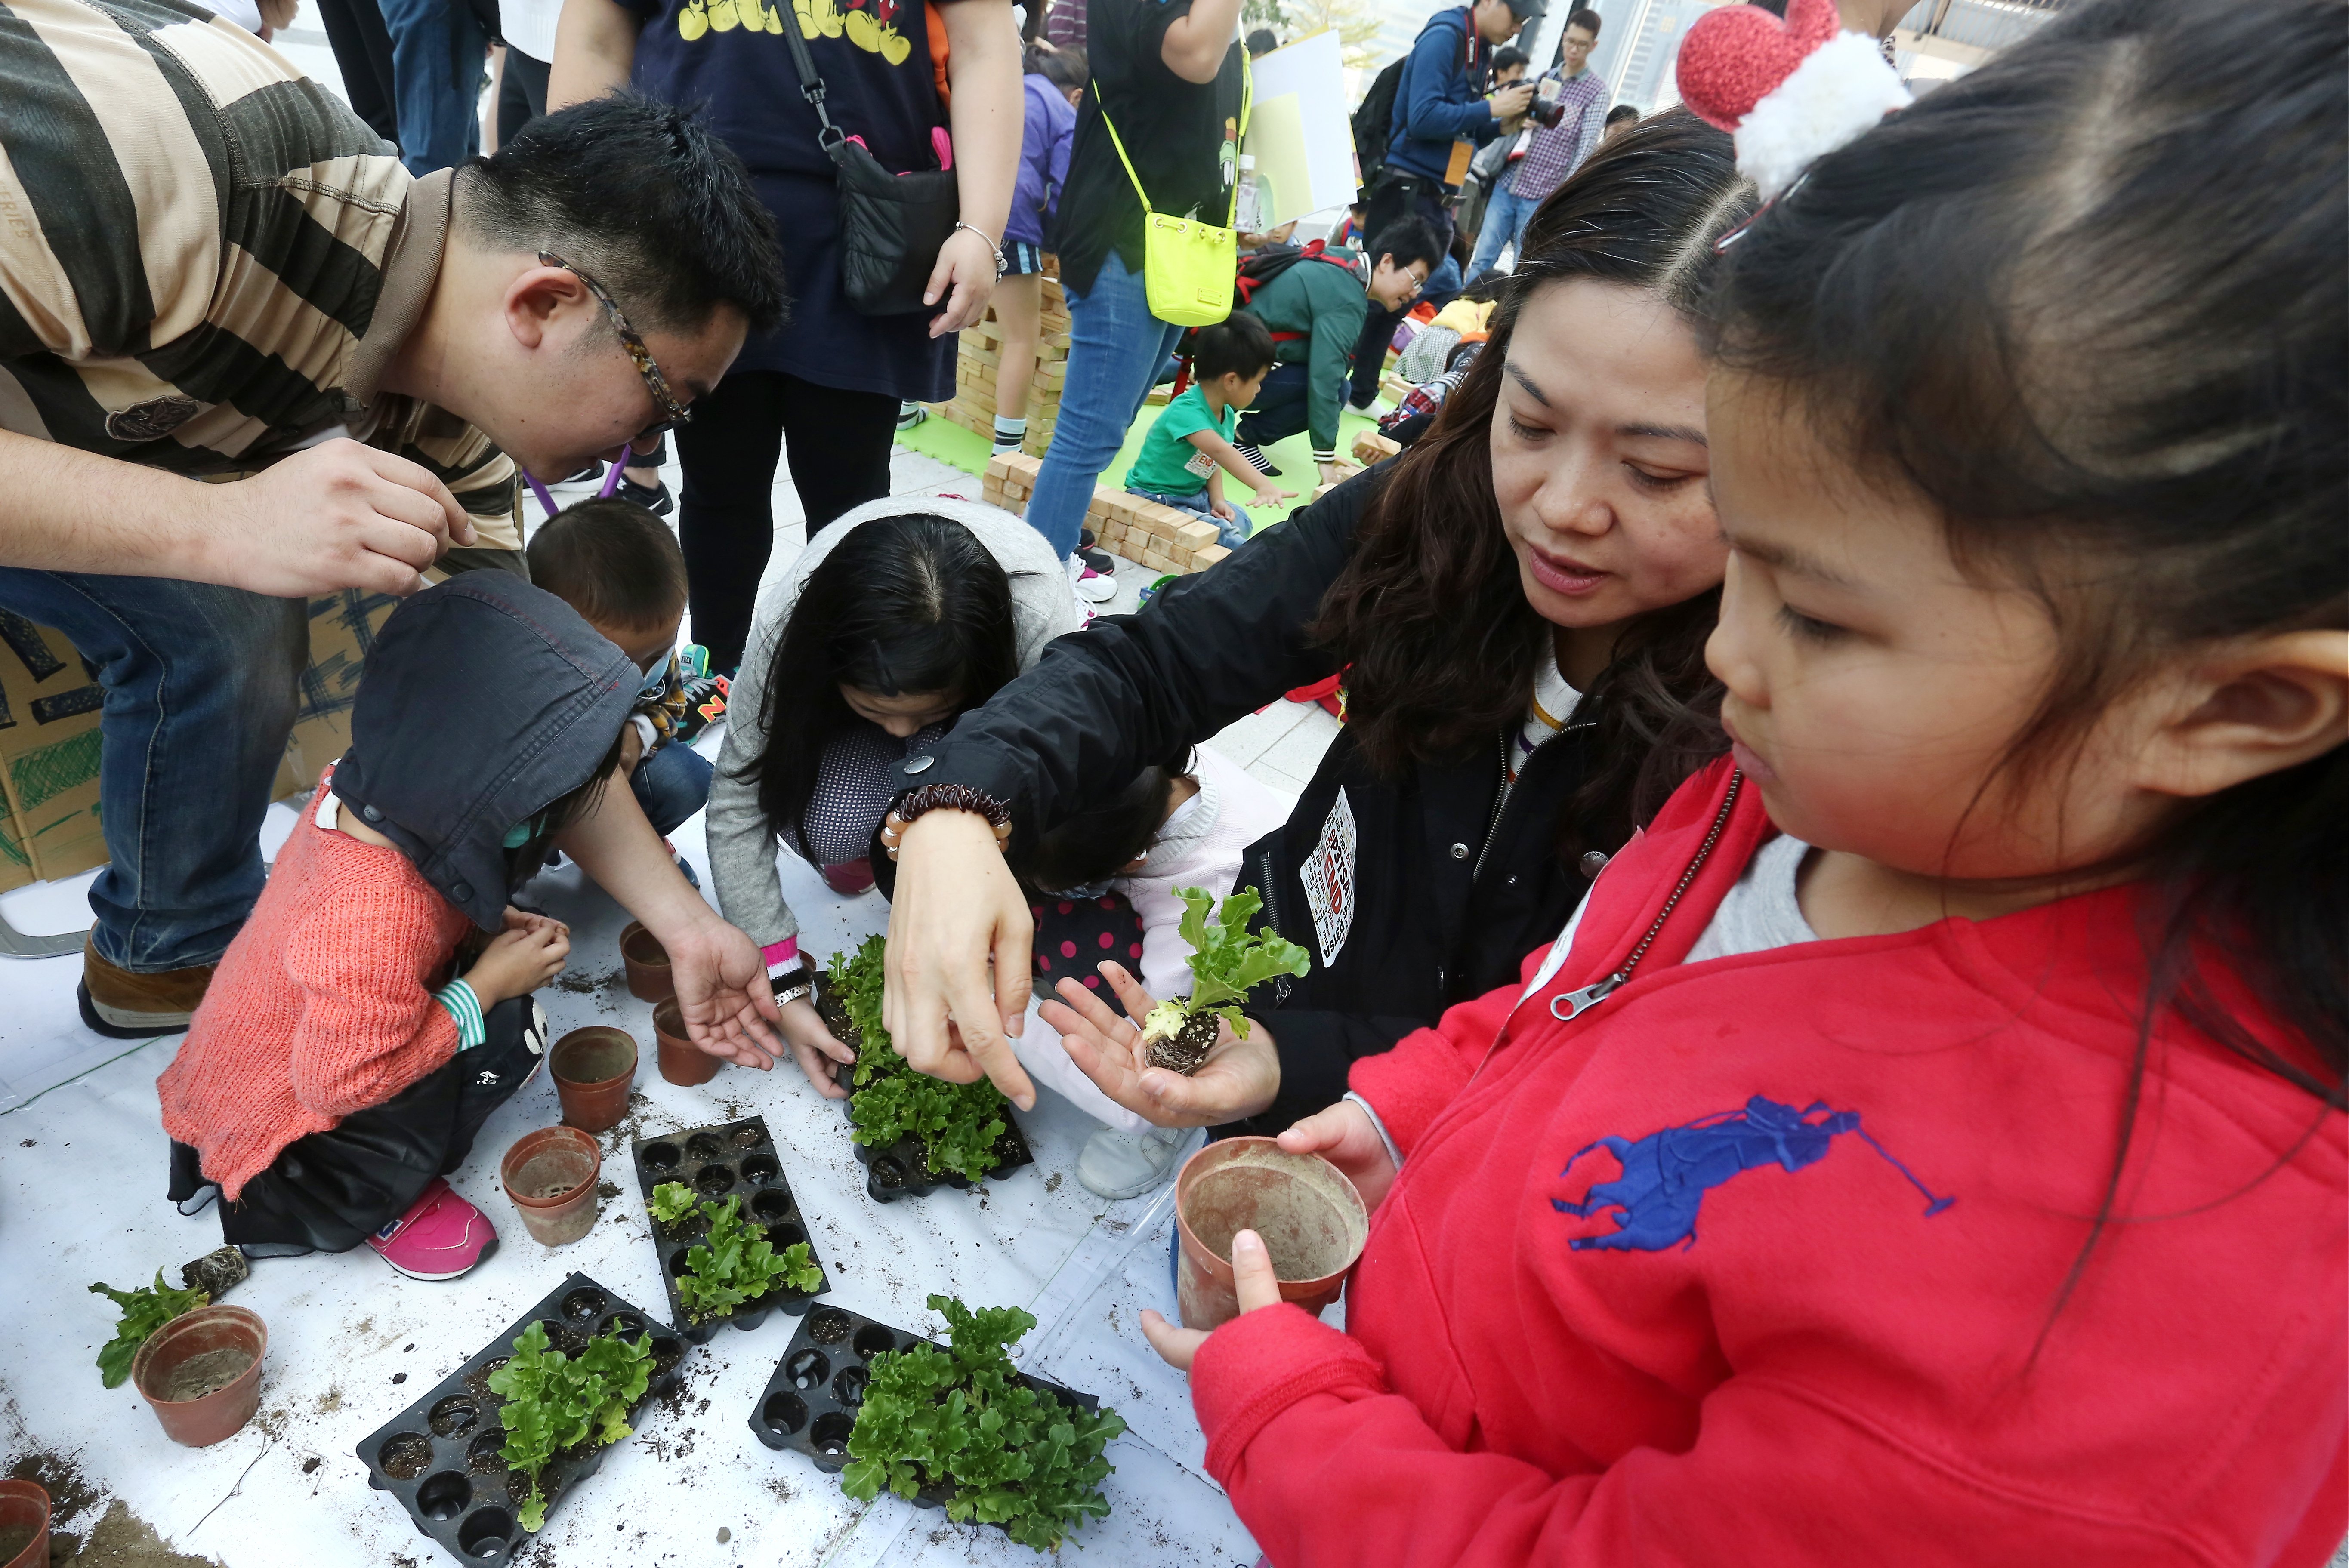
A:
592, 1069
24, 1507
646, 962
681, 1061
1312, 1218
201, 1372
551, 1174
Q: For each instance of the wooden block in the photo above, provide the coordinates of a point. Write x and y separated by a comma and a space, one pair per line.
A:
1016, 463
1203, 559
1320, 490
1370, 446
1196, 535
1157, 560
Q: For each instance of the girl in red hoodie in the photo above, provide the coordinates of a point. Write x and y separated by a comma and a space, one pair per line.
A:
1926, 1145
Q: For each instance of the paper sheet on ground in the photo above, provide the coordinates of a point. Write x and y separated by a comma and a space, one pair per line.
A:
81, 1199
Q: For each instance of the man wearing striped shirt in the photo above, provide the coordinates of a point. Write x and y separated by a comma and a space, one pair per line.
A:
211, 271
1547, 154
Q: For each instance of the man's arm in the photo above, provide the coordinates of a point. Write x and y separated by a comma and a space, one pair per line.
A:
339, 515
1195, 44
1328, 360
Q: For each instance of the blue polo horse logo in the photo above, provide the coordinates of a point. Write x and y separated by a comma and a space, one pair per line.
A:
1667, 1174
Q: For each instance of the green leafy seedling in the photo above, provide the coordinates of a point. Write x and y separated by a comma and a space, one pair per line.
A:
962, 1416
1228, 961
554, 1402
956, 1124
735, 1262
144, 1310
672, 1201
799, 1270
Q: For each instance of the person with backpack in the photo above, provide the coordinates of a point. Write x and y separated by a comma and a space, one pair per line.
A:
1441, 115
1314, 303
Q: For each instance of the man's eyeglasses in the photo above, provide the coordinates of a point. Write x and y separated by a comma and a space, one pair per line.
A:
654, 382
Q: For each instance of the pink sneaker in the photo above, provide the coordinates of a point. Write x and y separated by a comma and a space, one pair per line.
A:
441, 1236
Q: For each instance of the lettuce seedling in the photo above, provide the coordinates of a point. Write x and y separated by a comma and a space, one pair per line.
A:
672, 1201
956, 1124
1227, 961
733, 1263
144, 1310
554, 1402
962, 1418
799, 1270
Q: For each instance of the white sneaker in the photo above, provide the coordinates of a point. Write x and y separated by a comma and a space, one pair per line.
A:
1127, 1164
1091, 587
1365, 408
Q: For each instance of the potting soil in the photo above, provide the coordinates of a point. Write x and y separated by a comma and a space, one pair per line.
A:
208, 1373
735, 1160
82, 1178
14, 1538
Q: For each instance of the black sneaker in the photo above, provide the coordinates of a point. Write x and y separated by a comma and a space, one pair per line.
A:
705, 704
1257, 459
1085, 538
1099, 560
592, 474
653, 498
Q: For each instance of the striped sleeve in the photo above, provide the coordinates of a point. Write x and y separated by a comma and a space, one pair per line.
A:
465, 1010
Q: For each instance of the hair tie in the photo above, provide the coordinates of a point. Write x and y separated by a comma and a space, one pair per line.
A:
1791, 92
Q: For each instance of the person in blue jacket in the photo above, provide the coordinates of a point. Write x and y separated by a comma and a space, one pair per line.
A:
1440, 101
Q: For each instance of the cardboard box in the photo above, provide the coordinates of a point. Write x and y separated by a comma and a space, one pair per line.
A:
48, 756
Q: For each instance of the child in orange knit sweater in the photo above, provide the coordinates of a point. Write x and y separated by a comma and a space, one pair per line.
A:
377, 1007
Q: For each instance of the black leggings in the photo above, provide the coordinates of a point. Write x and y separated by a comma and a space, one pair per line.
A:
329, 1191
838, 443
1398, 196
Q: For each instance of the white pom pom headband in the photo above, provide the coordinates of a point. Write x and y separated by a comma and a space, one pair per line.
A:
1790, 91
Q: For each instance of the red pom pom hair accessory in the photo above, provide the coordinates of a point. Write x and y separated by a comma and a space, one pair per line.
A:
1791, 92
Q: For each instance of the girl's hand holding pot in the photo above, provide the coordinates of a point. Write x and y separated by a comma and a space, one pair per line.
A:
1258, 1286
1238, 1079
1346, 1138
814, 1045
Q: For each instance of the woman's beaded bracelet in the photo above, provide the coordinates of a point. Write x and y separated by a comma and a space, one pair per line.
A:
944, 797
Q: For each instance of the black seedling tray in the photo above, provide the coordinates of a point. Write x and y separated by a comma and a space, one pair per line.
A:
900, 1171
736, 1158
809, 1406
440, 1455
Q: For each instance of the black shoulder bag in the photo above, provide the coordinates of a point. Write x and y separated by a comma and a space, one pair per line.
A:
891, 226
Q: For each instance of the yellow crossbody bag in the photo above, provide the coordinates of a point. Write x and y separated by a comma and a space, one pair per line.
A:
1187, 266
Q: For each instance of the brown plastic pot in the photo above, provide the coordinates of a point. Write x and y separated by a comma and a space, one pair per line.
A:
25, 1506
1312, 1218
592, 1069
169, 1362
646, 962
681, 1061
550, 1175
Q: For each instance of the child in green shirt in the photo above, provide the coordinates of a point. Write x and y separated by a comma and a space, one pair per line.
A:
1189, 449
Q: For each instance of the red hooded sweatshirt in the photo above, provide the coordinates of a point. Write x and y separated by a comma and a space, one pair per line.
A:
1747, 1265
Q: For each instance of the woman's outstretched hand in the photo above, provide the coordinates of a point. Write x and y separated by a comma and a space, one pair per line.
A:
1346, 1138
956, 906
1258, 1286
1238, 1079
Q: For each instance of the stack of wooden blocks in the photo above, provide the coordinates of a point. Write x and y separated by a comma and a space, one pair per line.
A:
1162, 538
982, 351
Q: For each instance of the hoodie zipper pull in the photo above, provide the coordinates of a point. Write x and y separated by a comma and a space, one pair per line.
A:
1577, 1003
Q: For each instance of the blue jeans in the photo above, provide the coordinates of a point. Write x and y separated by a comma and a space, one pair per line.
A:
199, 697
1280, 408
671, 785
436, 51
1231, 535
1115, 348
1505, 217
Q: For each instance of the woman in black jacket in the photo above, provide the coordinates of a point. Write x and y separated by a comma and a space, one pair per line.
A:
1522, 601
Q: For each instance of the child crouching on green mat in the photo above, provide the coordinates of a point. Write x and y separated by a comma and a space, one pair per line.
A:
1189, 449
